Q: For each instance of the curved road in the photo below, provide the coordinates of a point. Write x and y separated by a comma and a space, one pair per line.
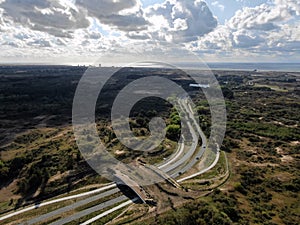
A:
175, 162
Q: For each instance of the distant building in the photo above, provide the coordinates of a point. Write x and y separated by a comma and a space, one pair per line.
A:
200, 85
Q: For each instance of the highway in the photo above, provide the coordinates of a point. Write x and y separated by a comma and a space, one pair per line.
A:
188, 108
189, 159
110, 211
186, 156
90, 210
177, 164
172, 159
72, 206
38, 205
204, 170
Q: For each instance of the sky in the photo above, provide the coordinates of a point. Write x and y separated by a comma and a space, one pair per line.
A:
115, 31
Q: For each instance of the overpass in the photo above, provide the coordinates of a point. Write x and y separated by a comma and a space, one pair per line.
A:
163, 175
123, 179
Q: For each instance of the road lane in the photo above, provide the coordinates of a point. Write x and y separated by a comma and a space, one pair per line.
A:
38, 205
110, 211
90, 210
71, 207
186, 156
173, 157
187, 161
204, 170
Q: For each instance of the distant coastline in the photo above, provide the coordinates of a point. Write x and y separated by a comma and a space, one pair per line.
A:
283, 67
259, 67
276, 67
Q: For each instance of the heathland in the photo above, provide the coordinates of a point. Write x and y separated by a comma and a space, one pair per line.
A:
39, 158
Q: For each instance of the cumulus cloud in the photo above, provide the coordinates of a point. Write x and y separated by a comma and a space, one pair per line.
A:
138, 35
132, 22
40, 43
69, 28
246, 39
93, 35
292, 6
62, 17
286, 39
173, 20
181, 21
218, 39
265, 16
219, 5
116, 13
56, 17
100, 8
268, 29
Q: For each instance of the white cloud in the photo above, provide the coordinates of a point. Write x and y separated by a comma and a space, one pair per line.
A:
265, 16
93, 35
83, 29
246, 39
180, 24
106, 7
174, 20
219, 5
265, 30
138, 35
124, 15
181, 20
57, 17
292, 6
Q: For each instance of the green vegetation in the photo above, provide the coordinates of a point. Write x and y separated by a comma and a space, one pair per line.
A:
173, 131
276, 132
39, 158
262, 145
38, 154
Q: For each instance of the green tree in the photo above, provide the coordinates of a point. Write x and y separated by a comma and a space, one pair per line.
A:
173, 131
